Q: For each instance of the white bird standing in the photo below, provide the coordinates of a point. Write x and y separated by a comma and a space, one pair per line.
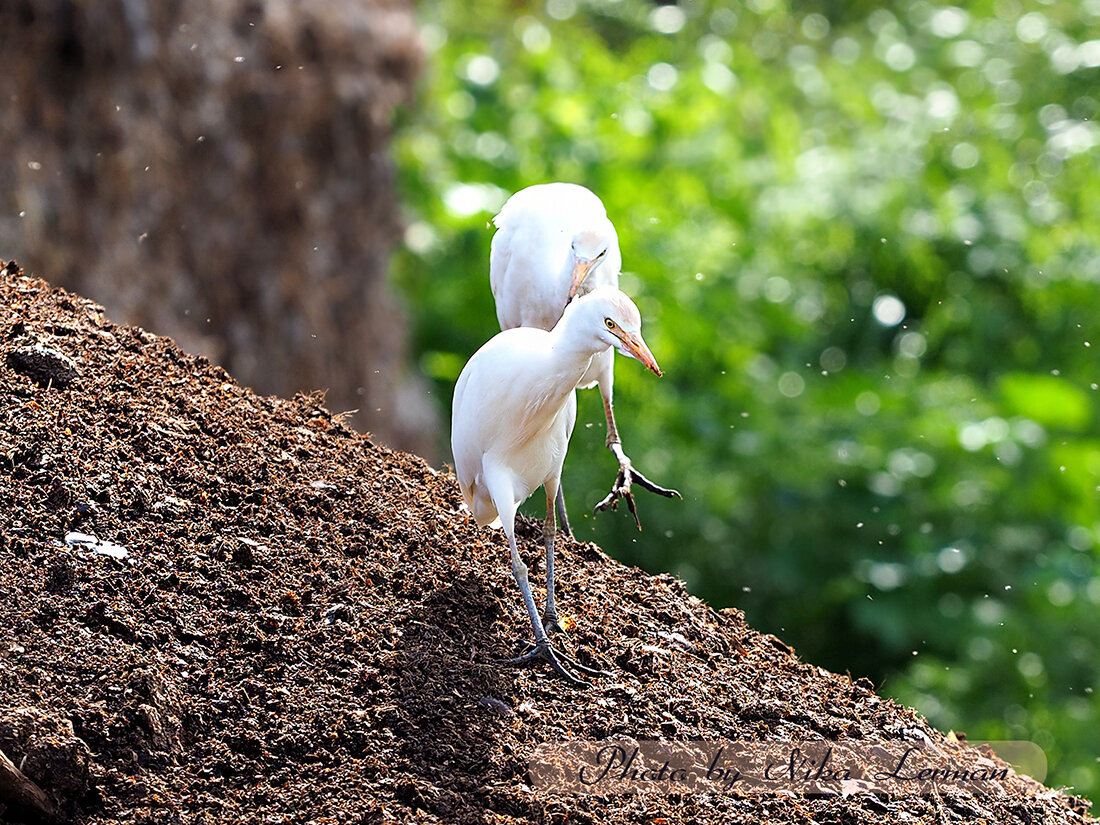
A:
553, 242
514, 410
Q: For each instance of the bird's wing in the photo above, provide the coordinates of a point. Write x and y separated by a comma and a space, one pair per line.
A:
525, 261
467, 443
500, 259
512, 215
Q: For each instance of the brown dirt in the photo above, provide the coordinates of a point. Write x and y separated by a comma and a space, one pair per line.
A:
304, 626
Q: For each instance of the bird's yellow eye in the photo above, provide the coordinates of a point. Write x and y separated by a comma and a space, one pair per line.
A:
610, 324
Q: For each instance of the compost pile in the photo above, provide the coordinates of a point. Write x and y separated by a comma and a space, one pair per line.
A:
220, 607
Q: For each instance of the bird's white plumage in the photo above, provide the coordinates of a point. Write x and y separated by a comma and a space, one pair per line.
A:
541, 230
508, 421
514, 406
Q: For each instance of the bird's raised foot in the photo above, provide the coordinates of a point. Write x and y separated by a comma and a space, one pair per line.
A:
624, 481
561, 662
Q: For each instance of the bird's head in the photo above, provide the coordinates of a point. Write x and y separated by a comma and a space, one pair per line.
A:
615, 320
590, 248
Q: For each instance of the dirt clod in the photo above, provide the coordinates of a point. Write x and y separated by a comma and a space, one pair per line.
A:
43, 365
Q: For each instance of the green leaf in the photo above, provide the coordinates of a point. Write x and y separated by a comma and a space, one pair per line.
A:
1053, 401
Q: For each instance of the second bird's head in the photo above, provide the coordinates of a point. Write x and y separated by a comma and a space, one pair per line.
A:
590, 249
611, 317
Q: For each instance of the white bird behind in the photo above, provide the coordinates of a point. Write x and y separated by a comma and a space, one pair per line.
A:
544, 234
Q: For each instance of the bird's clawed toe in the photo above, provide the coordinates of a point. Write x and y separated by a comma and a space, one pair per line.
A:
646, 484
562, 663
611, 500
622, 489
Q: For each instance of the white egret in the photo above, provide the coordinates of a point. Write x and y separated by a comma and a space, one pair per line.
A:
553, 242
514, 410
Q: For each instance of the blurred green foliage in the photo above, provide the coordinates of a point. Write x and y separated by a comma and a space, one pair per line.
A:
865, 240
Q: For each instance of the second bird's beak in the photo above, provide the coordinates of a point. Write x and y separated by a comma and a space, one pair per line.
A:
635, 347
581, 269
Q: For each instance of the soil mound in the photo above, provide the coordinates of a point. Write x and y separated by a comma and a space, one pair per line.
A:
221, 607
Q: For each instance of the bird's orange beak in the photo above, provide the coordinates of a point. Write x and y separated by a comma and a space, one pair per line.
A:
635, 347
581, 270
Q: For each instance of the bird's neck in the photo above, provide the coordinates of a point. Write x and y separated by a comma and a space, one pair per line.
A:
572, 353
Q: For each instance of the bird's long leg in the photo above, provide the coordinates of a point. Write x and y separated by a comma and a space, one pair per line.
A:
550, 615
562, 516
542, 649
628, 475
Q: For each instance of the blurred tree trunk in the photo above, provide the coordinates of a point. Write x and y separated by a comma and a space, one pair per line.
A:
216, 170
